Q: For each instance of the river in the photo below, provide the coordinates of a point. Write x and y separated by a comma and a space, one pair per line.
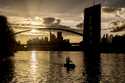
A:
47, 67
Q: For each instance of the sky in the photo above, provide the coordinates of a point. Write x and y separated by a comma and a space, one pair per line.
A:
49, 7
70, 11
57, 8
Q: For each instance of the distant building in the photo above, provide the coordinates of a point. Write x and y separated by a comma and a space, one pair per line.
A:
46, 39
52, 37
59, 36
56, 42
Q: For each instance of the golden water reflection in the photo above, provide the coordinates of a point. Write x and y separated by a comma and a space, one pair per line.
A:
47, 67
33, 66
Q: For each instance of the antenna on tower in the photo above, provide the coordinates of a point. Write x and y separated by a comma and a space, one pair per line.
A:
94, 2
103, 1
98, 1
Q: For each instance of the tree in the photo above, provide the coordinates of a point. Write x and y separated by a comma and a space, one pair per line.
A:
7, 38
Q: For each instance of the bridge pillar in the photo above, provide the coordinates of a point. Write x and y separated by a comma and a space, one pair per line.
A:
91, 37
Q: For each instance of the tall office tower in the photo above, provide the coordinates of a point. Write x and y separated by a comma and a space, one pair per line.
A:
91, 41
52, 37
59, 36
92, 27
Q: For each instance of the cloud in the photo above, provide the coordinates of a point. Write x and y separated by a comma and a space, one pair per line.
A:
119, 28
110, 9
80, 25
71, 10
114, 3
53, 22
45, 6
64, 9
54, 7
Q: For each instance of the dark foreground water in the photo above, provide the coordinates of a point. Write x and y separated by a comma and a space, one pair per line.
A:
47, 67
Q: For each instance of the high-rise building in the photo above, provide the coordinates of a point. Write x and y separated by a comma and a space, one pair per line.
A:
91, 38
46, 39
59, 36
52, 37
92, 26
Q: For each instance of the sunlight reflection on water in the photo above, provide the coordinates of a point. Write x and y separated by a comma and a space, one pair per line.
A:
46, 67
33, 66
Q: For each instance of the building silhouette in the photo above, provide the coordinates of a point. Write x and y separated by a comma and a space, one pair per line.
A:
111, 43
56, 42
91, 41
59, 36
92, 22
52, 37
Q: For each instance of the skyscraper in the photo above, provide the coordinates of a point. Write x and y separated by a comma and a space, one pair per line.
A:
91, 38
92, 28
59, 36
52, 37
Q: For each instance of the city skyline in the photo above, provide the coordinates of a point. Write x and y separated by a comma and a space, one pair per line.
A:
69, 12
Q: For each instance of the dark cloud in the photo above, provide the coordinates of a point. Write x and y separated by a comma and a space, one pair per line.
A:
110, 9
49, 20
57, 5
119, 28
71, 9
80, 25
114, 3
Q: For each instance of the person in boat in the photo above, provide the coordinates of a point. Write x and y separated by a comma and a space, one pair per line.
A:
68, 60
69, 63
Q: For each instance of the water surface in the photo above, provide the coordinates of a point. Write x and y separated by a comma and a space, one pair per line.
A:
47, 67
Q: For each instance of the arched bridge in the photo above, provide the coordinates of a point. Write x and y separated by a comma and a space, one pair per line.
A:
74, 31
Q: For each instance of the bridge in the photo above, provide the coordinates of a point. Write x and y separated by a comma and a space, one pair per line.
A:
71, 30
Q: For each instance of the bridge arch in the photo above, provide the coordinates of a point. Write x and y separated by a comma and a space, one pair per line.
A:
74, 31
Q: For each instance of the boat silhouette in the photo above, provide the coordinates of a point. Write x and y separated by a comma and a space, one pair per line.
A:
69, 64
